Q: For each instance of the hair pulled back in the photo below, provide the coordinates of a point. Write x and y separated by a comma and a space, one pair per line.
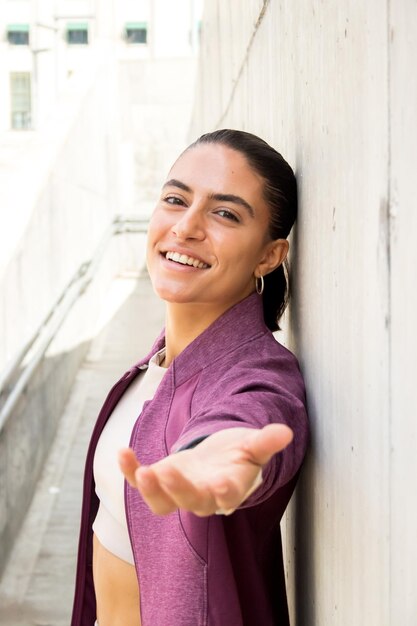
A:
280, 194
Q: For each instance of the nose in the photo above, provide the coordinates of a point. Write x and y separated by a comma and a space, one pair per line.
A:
189, 224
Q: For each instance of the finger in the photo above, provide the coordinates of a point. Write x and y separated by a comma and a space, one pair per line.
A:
264, 443
229, 496
128, 464
150, 488
195, 498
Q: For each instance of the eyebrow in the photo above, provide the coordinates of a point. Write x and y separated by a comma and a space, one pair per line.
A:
173, 182
220, 197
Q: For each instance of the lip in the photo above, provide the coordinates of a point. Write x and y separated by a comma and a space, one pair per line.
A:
179, 267
186, 251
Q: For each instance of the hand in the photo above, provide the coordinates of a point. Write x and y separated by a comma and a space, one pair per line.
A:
217, 474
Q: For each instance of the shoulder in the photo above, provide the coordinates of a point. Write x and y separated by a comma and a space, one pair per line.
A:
253, 383
258, 365
260, 355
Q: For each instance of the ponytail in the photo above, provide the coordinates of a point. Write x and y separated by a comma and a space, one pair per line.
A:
275, 296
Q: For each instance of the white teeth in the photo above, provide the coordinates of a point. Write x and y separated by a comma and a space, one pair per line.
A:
185, 260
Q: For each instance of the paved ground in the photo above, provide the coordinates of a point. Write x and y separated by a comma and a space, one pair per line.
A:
37, 586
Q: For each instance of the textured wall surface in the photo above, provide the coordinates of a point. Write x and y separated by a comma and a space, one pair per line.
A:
403, 298
331, 86
155, 106
58, 201
58, 190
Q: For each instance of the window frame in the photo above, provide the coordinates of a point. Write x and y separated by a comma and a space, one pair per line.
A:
77, 27
16, 96
21, 30
136, 27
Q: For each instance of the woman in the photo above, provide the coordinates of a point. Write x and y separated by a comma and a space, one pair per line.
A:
192, 537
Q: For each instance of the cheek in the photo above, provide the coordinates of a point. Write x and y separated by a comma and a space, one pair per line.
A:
148, 250
243, 254
157, 227
152, 238
154, 222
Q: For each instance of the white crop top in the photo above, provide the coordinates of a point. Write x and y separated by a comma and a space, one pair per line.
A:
110, 525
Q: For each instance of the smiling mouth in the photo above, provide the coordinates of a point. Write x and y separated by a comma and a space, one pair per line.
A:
186, 260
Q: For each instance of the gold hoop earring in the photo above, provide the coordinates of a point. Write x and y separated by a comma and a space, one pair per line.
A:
259, 289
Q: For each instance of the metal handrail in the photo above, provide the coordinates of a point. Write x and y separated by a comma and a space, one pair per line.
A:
49, 327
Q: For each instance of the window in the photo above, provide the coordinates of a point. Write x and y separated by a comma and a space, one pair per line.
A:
18, 34
20, 100
77, 33
136, 32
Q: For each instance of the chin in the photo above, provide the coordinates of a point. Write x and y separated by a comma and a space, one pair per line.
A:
171, 295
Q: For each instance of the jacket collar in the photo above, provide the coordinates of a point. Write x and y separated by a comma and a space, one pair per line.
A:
241, 322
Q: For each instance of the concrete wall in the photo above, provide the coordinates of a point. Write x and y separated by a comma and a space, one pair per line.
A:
403, 303
58, 197
57, 200
154, 122
331, 86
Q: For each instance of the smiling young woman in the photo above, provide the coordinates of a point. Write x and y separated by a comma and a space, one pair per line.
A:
187, 533
211, 210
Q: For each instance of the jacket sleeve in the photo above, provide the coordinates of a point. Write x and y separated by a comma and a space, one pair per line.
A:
252, 399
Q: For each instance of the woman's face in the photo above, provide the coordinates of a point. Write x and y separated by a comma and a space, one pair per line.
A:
208, 235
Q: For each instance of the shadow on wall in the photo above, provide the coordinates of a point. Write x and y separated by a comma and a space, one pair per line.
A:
300, 530
27, 436
304, 540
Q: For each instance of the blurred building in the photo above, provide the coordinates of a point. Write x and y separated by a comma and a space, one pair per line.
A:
43, 42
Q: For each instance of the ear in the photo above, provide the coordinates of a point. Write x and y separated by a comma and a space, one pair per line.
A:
274, 255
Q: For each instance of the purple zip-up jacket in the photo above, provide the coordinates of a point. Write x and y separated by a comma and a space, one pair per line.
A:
216, 570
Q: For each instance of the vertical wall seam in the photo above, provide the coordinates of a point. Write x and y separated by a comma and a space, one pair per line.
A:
389, 307
219, 66
244, 62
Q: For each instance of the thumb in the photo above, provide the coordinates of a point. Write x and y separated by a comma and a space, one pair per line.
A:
267, 441
128, 464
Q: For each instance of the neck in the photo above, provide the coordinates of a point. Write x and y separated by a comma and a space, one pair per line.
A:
185, 322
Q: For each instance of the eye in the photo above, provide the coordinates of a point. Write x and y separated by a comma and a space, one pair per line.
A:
174, 200
228, 215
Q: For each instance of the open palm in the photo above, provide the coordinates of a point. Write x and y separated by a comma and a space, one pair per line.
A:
216, 475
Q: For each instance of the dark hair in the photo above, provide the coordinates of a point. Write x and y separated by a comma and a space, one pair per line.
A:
280, 193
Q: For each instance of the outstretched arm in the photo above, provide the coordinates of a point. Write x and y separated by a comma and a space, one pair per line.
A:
217, 475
